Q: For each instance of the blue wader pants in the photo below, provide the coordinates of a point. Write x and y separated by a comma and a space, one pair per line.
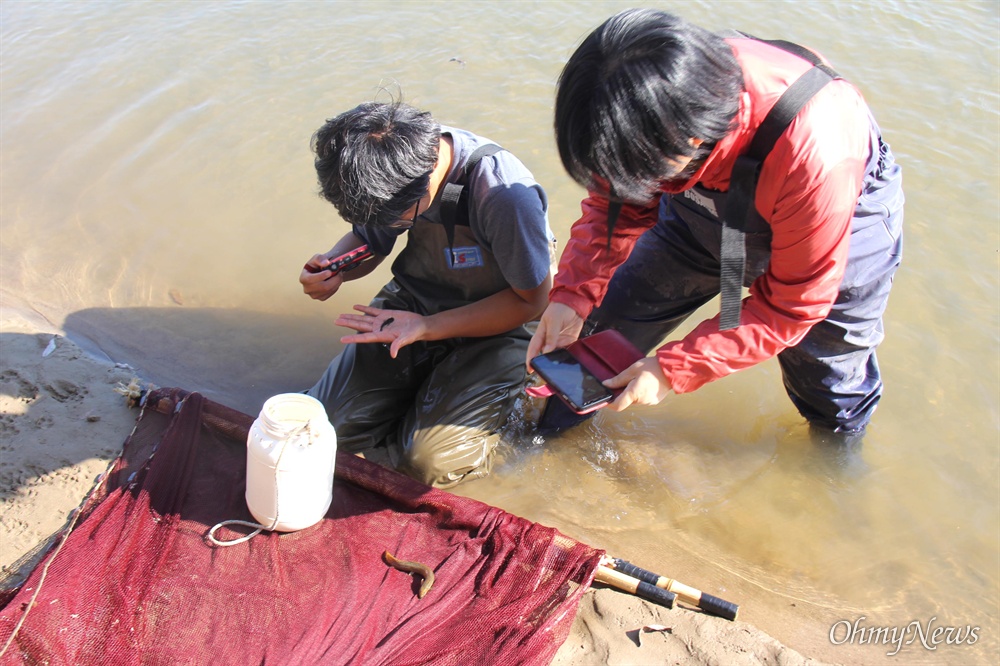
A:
832, 375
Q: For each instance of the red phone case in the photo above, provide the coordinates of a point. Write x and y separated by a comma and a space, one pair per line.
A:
604, 355
345, 262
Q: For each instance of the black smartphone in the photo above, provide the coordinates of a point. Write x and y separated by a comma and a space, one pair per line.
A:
346, 261
572, 382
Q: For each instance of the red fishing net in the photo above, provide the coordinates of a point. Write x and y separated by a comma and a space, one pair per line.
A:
136, 581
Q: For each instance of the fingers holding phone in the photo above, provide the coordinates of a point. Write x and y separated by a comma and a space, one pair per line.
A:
571, 381
643, 383
322, 275
559, 326
318, 281
591, 372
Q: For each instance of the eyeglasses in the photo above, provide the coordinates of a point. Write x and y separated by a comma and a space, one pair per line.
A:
406, 224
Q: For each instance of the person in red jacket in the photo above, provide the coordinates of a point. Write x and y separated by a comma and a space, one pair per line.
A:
655, 116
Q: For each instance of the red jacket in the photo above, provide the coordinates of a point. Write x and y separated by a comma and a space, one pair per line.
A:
807, 192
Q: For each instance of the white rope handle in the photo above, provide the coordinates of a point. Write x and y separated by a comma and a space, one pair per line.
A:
245, 523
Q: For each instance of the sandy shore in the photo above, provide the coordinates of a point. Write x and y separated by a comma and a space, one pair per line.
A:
61, 423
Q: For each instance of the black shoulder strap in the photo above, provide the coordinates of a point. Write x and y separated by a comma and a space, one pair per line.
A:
455, 192
743, 181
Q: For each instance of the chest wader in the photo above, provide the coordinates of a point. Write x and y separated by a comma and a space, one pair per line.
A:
443, 265
831, 375
666, 279
438, 404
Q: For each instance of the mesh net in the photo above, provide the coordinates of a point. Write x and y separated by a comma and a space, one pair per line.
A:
136, 581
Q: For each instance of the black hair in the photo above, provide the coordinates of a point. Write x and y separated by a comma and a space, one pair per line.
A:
635, 93
374, 161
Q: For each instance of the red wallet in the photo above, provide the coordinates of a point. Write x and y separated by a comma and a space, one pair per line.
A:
604, 355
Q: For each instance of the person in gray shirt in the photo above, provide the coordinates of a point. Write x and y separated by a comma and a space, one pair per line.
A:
437, 357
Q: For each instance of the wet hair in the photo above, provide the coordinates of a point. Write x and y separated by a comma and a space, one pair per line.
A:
635, 93
374, 161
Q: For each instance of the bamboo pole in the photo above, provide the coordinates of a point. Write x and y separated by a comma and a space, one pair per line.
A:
708, 603
621, 581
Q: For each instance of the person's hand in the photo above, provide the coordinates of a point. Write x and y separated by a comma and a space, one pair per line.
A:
396, 328
317, 282
559, 327
644, 382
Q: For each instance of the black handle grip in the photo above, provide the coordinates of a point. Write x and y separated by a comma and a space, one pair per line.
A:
707, 603
718, 607
636, 572
655, 594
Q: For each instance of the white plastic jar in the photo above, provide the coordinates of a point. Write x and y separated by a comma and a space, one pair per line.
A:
291, 454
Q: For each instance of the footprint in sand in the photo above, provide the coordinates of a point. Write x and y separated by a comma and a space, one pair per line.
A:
63, 390
14, 385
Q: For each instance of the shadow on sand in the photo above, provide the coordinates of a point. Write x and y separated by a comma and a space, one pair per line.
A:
236, 357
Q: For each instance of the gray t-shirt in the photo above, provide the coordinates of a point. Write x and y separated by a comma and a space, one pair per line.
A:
507, 212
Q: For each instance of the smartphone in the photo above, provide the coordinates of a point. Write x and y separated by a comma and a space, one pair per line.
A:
572, 382
346, 261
